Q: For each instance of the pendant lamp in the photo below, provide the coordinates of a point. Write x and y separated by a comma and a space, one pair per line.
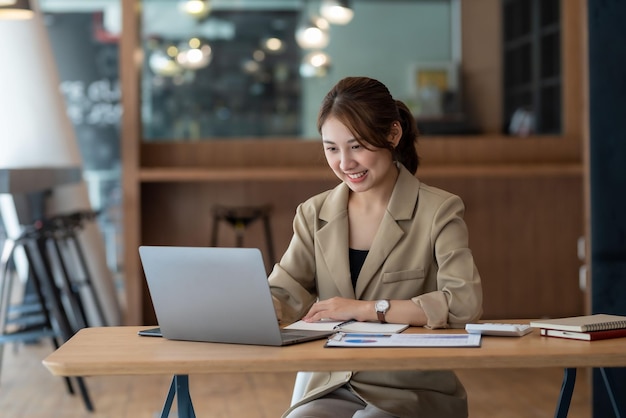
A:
199, 9
337, 12
312, 33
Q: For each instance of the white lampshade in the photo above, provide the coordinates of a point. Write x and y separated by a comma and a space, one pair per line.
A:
34, 128
15, 9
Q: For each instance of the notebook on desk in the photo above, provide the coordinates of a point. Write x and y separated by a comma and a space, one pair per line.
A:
214, 295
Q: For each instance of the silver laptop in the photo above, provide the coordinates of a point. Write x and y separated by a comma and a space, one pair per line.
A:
214, 295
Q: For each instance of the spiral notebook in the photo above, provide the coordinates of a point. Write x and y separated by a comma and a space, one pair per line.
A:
586, 323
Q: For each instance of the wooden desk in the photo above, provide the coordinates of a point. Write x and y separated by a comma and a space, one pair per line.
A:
119, 351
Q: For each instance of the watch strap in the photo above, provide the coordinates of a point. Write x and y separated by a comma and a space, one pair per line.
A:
381, 316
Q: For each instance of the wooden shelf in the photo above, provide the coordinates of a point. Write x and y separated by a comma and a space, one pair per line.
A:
234, 174
173, 175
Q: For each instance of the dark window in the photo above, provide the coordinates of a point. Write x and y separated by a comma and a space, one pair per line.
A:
532, 57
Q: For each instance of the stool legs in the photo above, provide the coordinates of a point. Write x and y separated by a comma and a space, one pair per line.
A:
5, 288
239, 218
67, 245
56, 322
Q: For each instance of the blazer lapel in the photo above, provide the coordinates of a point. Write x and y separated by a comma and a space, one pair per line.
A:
402, 206
332, 239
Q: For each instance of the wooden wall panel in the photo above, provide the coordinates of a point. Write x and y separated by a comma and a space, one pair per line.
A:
481, 71
523, 231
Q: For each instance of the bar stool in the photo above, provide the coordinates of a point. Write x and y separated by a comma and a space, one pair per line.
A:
45, 315
70, 258
240, 217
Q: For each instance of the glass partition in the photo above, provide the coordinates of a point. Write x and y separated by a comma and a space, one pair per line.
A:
242, 69
259, 80
84, 38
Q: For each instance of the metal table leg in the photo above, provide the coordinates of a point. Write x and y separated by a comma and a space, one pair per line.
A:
609, 390
565, 397
180, 389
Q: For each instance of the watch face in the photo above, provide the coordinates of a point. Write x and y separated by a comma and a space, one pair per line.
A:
382, 306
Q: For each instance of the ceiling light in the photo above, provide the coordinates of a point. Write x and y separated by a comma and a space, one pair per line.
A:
337, 12
196, 8
313, 33
251, 66
258, 55
161, 63
194, 55
15, 9
315, 64
273, 41
273, 45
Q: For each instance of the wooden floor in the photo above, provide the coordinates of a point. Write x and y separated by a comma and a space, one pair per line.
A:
27, 389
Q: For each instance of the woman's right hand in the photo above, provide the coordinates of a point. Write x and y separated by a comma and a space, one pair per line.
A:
341, 309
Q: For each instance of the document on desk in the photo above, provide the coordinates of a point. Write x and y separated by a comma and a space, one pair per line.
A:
349, 326
342, 339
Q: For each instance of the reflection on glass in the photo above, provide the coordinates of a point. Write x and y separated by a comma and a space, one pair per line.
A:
84, 40
232, 74
260, 68
315, 64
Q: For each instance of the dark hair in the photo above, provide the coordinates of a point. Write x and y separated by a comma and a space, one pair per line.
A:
367, 108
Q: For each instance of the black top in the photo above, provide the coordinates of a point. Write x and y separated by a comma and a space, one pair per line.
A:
357, 258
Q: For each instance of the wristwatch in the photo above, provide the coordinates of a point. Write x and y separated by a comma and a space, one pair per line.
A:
381, 306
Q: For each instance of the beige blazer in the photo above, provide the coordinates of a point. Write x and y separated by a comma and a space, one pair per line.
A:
420, 252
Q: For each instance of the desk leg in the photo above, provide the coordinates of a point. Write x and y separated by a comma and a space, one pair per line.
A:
180, 389
611, 393
565, 398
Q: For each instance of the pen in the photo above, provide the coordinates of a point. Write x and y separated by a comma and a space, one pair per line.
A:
339, 336
341, 324
366, 335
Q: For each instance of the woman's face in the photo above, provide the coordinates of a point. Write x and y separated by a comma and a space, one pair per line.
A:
361, 169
